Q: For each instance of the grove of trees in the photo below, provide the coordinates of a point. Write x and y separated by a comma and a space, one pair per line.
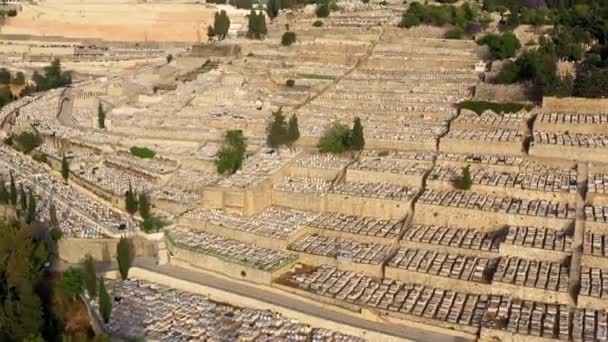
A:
256, 25
338, 138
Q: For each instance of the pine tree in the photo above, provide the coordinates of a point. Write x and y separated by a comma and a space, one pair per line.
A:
144, 206
65, 168
131, 201
357, 139
123, 256
105, 304
53, 221
31, 209
101, 116
277, 130
13, 190
293, 131
90, 276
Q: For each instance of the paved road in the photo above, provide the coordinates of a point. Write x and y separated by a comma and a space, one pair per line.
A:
245, 290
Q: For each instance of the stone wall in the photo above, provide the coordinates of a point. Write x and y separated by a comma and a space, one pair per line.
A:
73, 250
597, 155
449, 145
432, 280
506, 93
574, 105
529, 293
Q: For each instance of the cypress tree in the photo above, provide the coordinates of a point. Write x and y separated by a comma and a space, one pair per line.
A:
53, 221
4, 195
13, 190
272, 8
144, 206
65, 168
90, 276
293, 131
277, 130
23, 199
131, 200
105, 304
31, 209
123, 256
465, 181
101, 116
357, 139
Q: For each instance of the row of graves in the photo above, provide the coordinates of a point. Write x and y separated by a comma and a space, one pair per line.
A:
403, 90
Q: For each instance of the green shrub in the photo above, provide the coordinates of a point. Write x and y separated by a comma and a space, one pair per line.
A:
70, 284
335, 139
501, 46
499, 108
464, 182
56, 234
142, 152
27, 141
230, 158
290, 83
418, 14
322, 10
123, 256
455, 33
105, 303
288, 38
317, 23
90, 276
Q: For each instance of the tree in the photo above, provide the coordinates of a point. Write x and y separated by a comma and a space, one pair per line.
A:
323, 9
288, 38
256, 25
13, 190
90, 276
101, 116
22, 199
105, 304
221, 24
335, 139
123, 256
210, 32
31, 209
272, 8
131, 203
169, 58
465, 182
19, 78
293, 131
230, 157
144, 206
53, 221
277, 130
5, 76
501, 46
70, 284
4, 195
65, 168
357, 139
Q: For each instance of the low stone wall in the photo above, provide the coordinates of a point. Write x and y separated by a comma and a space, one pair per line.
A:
350, 236
581, 128
448, 249
192, 260
596, 199
596, 227
433, 280
508, 191
530, 293
450, 145
313, 172
505, 92
484, 221
365, 206
574, 105
594, 261
361, 176
597, 155
493, 335
592, 303
398, 145
302, 201
74, 250
376, 271
532, 253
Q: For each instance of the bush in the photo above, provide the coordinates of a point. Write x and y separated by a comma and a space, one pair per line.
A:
105, 303
70, 284
499, 108
153, 224
288, 38
455, 33
501, 46
322, 10
418, 14
317, 23
230, 158
90, 276
464, 182
56, 234
335, 139
27, 141
290, 83
142, 152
